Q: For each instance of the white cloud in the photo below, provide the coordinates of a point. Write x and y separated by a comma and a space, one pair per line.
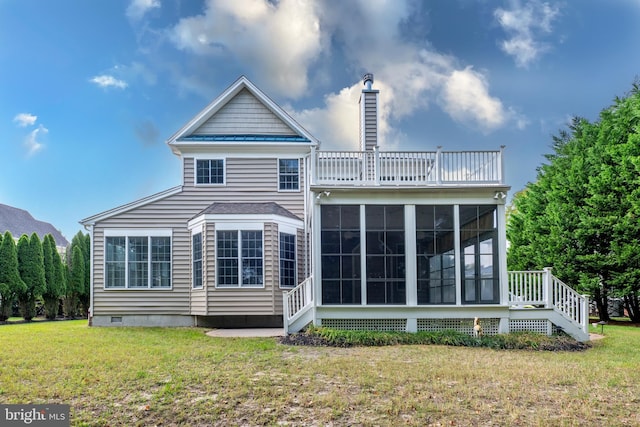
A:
25, 119
106, 81
279, 40
32, 141
138, 8
290, 46
466, 98
526, 25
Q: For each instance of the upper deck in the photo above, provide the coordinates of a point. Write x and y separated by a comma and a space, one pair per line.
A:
407, 168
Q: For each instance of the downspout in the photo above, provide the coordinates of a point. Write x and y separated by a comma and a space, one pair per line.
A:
89, 228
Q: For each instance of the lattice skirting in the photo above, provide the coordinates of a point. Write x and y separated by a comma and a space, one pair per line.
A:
532, 325
489, 325
366, 324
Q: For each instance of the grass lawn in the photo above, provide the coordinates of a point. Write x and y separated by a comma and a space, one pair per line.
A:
153, 376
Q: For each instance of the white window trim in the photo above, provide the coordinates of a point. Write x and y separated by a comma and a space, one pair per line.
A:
280, 190
224, 171
195, 231
136, 232
239, 227
294, 233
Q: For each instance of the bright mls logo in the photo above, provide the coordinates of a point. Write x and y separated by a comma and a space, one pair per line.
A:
34, 415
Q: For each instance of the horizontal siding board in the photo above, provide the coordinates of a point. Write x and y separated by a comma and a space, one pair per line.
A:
244, 115
174, 212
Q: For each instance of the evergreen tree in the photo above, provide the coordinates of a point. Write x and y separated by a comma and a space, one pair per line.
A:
31, 267
75, 283
580, 216
54, 289
10, 282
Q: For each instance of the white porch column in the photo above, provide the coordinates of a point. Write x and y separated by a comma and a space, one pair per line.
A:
459, 260
411, 279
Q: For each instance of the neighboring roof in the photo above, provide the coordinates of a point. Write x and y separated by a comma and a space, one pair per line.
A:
19, 222
135, 204
268, 208
185, 133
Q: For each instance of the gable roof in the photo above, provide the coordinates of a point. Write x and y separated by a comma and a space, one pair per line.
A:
205, 127
19, 222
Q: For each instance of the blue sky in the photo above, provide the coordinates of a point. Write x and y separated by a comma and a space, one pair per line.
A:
90, 90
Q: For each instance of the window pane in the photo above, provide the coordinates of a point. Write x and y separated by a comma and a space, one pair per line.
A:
138, 262
197, 260
340, 254
435, 252
115, 269
289, 177
210, 171
252, 274
385, 254
227, 257
160, 262
287, 260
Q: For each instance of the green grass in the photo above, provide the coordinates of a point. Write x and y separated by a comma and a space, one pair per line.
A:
153, 376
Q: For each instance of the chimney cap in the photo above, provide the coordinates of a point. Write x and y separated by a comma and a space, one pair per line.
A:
368, 79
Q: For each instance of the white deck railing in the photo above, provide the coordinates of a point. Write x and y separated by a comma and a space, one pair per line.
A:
296, 301
405, 168
535, 288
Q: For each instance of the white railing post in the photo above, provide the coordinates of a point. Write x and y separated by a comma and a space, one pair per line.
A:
314, 160
285, 311
585, 314
547, 290
439, 165
376, 165
501, 165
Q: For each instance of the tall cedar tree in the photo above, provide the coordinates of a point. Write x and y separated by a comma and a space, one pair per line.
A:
81, 241
581, 215
10, 282
75, 283
54, 288
31, 267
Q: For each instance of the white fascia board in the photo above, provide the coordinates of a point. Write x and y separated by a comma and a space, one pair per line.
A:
129, 206
239, 149
247, 219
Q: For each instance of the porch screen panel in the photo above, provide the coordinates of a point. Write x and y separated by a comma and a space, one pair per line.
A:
435, 254
340, 254
479, 244
385, 261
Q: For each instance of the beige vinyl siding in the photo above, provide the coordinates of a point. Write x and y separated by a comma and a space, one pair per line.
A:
369, 120
248, 180
244, 115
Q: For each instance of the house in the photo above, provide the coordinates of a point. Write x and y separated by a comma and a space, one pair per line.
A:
267, 229
19, 221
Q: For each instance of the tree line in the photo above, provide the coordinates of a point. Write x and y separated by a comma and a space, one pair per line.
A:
582, 215
35, 277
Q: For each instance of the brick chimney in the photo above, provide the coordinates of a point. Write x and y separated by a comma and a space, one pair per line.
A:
368, 115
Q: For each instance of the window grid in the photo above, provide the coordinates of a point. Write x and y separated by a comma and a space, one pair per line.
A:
197, 260
289, 174
239, 257
210, 171
435, 254
287, 260
137, 262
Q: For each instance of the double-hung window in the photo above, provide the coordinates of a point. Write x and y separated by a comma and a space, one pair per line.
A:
210, 171
287, 260
289, 174
137, 261
239, 258
197, 260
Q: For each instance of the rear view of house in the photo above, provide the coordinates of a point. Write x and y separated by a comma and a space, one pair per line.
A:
267, 229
